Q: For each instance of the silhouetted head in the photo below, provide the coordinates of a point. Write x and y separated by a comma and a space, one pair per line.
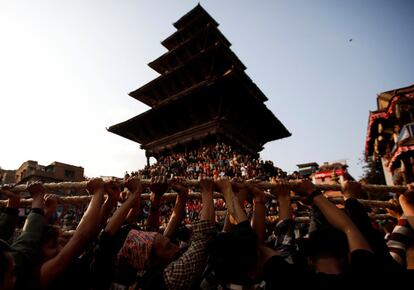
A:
327, 243
233, 255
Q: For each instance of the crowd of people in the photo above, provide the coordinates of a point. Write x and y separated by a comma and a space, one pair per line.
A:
214, 161
241, 241
110, 249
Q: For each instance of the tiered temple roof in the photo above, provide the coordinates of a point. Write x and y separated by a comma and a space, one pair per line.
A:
202, 92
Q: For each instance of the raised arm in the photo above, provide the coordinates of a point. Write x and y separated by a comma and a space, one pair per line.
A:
351, 191
285, 243
207, 211
282, 192
10, 215
26, 246
53, 268
133, 212
333, 215
103, 268
259, 213
29, 240
178, 213
182, 273
158, 187
241, 190
407, 204
233, 206
115, 222
113, 192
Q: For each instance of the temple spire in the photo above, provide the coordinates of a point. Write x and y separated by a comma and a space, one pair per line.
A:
201, 95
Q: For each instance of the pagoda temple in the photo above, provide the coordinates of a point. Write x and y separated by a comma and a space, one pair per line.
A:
202, 96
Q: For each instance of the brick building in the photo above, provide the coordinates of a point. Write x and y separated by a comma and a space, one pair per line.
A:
7, 176
54, 172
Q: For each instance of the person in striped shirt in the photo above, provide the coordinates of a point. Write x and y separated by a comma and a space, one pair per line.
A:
403, 233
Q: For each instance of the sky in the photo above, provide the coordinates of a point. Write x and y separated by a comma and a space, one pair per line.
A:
66, 68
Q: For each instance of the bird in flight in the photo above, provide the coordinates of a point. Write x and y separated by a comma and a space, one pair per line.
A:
350, 40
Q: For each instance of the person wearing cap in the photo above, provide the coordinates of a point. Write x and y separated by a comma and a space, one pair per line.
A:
124, 252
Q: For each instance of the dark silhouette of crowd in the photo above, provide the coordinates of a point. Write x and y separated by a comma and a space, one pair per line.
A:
241, 241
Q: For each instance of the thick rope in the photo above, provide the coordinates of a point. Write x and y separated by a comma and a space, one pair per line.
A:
306, 220
84, 199
372, 188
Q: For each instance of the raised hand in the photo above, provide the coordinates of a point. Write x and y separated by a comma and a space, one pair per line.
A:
409, 194
13, 197
232, 203
158, 185
35, 189
258, 194
352, 189
6, 190
113, 190
94, 185
407, 203
206, 184
304, 187
134, 185
180, 186
240, 189
282, 191
224, 186
406, 200
178, 214
135, 189
282, 188
259, 212
206, 188
396, 213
